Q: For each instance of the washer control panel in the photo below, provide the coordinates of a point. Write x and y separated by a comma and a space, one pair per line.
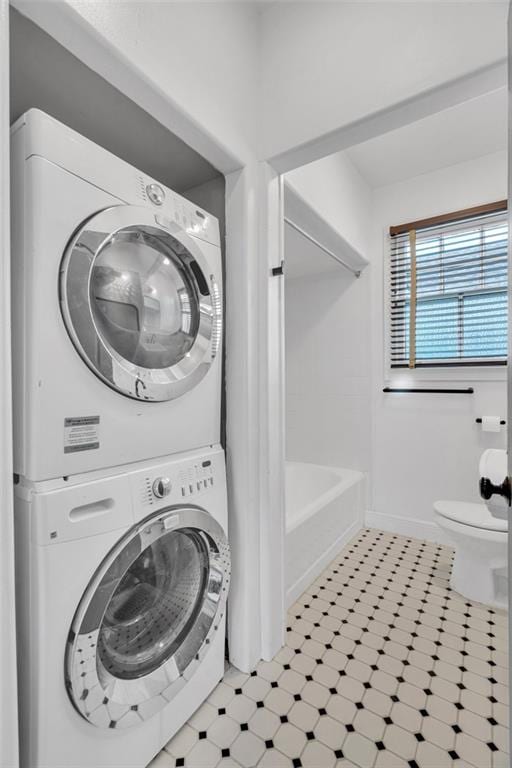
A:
187, 481
196, 478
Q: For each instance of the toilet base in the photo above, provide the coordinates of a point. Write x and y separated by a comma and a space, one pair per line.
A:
474, 578
480, 565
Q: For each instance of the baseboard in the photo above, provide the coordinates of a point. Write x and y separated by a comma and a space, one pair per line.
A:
321, 564
406, 526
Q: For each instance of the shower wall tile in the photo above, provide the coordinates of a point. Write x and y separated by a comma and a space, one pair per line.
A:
328, 370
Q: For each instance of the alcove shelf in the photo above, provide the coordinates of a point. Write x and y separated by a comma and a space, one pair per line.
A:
305, 222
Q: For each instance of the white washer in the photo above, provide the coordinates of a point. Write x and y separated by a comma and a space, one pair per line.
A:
117, 309
121, 583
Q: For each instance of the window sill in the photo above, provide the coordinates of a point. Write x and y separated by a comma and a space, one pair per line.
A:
403, 377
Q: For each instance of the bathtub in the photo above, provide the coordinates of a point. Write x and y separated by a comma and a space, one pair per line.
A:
324, 510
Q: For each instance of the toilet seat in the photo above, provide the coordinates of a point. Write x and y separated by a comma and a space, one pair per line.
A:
470, 514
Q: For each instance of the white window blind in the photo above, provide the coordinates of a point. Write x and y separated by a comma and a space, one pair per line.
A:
448, 286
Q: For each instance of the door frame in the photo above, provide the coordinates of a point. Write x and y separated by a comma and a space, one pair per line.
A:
8, 690
509, 374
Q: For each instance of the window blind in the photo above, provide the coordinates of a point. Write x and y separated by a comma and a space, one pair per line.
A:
448, 285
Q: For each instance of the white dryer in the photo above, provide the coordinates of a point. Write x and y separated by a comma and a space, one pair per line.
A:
121, 585
117, 309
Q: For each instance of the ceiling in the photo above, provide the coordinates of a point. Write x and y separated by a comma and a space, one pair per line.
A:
471, 129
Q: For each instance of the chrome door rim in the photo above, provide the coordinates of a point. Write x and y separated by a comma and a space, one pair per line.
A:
84, 670
129, 379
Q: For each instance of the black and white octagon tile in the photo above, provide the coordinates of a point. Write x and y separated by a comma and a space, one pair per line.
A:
384, 667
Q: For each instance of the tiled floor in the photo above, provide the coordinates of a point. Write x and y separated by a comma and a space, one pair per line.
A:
383, 666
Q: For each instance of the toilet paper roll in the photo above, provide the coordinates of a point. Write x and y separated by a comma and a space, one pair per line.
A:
491, 424
494, 465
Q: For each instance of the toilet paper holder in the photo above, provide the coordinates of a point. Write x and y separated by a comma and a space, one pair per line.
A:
479, 421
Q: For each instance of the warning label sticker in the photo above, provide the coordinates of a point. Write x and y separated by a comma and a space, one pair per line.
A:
81, 433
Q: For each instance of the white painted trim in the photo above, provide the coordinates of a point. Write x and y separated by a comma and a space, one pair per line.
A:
423, 377
298, 210
66, 25
406, 526
8, 688
272, 423
509, 381
242, 418
319, 565
429, 102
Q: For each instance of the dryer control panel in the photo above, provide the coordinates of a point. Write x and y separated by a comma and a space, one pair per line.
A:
194, 220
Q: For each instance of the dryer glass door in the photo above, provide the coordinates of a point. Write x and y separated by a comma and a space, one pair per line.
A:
144, 302
141, 304
147, 619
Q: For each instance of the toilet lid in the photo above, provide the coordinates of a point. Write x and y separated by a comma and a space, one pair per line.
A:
467, 513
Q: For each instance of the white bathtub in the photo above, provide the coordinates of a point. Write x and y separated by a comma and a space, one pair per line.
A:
324, 510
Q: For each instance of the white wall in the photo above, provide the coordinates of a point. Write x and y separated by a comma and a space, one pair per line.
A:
326, 64
251, 72
328, 400
427, 447
328, 403
338, 192
418, 448
202, 55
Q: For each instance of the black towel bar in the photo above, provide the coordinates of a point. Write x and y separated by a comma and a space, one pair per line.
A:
467, 391
502, 421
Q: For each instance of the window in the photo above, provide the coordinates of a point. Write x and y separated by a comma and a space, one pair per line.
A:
448, 282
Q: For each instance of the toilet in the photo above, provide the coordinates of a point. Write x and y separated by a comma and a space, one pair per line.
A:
480, 540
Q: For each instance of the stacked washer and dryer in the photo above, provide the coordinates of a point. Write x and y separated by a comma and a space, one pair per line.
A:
120, 492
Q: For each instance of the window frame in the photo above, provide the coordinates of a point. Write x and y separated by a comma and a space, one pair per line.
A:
453, 372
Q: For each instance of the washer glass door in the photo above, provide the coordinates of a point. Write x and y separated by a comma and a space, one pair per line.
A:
148, 617
140, 303
154, 605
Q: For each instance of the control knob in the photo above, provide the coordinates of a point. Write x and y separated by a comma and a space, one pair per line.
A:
155, 193
162, 487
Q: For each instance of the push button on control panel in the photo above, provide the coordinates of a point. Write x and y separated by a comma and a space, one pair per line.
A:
162, 487
196, 478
